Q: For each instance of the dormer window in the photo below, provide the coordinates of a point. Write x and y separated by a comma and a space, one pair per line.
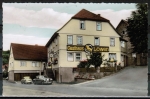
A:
82, 24
98, 26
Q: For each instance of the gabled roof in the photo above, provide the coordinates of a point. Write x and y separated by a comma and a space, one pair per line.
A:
29, 52
122, 21
87, 15
83, 15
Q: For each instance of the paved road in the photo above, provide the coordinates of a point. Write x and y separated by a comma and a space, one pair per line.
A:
128, 82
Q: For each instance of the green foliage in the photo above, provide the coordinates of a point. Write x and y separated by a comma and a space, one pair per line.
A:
138, 28
5, 74
5, 55
95, 59
83, 64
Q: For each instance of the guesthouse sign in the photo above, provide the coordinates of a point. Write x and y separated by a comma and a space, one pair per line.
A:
87, 47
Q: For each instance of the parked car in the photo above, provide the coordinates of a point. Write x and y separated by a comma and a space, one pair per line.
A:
26, 80
42, 80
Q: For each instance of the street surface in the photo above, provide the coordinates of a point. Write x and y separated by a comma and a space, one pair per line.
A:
131, 81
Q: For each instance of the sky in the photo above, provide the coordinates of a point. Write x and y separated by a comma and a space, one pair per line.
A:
35, 23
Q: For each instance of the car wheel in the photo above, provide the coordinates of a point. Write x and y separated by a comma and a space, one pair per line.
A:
42, 83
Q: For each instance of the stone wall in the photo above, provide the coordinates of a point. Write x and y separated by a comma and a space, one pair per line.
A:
11, 75
65, 74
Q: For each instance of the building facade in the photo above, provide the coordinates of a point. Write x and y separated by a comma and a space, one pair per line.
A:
132, 58
65, 48
26, 60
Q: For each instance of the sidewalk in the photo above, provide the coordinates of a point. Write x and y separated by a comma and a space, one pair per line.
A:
11, 81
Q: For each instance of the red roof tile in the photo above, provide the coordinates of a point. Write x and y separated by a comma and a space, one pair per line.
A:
29, 52
87, 15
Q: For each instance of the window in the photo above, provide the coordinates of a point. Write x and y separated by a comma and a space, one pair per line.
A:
70, 56
70, 39
82, 25
22, 63
79, 40
96, 40
98, 26
134, 55
112, 41
35, 64
112, 56
122, 44
78, 56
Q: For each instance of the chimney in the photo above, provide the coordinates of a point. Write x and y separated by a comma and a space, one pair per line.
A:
99, 14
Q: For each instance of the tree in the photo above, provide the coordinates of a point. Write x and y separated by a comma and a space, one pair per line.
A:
96, 60
138, 28
5, 55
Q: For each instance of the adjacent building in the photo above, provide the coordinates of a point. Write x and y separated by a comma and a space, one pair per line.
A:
66, 47
26, 60
132, 58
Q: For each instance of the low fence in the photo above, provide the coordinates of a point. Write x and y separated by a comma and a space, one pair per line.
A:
102, 69
107, 69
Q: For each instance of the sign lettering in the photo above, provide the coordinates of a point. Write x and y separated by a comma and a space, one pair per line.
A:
81, 48
75, 48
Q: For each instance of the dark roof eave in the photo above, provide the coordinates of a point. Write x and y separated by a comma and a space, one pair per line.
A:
90, 19
114, 29
123, 39
51, 39
31, 59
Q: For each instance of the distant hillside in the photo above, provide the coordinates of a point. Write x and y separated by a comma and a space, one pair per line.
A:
5, 55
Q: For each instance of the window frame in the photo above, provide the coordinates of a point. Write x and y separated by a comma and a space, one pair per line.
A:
77, 56
68, 40
81, 40
36, 64
114, 54
110, 41
98, 41
123, 42
22, 62
72, 57
99, 25
81, 24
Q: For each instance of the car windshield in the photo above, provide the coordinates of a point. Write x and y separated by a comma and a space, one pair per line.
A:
26, 77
